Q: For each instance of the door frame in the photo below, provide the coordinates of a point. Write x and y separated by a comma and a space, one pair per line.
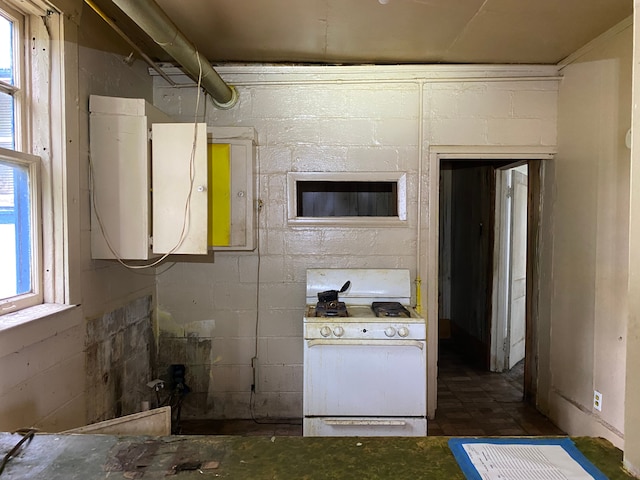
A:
430, 249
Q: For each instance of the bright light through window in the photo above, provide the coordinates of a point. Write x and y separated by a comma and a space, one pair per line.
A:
17, 177
6, 50
7, 75
15, 230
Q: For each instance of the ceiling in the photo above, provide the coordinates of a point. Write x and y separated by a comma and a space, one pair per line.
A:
385, 31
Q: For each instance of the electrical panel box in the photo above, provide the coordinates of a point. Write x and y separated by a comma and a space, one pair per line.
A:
150, 183
233, 206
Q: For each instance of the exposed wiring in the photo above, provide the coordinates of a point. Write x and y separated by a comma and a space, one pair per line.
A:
27, 435
174, 401
252, 399
169, 265
186, 217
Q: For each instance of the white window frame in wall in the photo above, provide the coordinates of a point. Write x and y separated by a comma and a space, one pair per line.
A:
400, 178
36, 99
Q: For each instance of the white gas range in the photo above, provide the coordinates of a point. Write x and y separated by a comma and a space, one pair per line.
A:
365, 355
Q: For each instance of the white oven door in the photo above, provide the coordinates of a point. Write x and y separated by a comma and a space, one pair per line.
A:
377, 378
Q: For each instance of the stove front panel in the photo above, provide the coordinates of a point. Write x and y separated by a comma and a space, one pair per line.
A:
372, 378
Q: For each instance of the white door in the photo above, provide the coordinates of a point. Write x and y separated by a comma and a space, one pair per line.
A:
518, 268
508, 330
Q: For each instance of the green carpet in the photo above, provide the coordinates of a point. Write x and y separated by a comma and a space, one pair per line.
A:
58, 457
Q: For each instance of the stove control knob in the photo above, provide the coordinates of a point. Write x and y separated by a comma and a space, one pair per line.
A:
325, 331
403, 331
389, 331
338, 331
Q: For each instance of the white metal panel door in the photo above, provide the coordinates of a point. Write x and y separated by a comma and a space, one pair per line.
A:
381, 378
120, 196
239, 194
179, 188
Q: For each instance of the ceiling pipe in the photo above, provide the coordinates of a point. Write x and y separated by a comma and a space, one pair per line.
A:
157, 24
131, 43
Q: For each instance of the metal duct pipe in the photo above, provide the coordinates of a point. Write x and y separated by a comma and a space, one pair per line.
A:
157, 24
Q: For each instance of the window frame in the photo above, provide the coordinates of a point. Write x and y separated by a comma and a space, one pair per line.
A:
35, 296
400, 178
17, 90
27, 122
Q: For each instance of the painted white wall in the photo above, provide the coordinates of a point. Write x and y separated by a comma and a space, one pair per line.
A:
102, 70
308, 120
588, 243
632, 385
42, 365
42, 372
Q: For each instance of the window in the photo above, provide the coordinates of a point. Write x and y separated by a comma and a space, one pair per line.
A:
20, 277
18, 176
347, 198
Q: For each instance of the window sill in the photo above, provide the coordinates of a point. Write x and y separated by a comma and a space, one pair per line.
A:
34, 324
347, 222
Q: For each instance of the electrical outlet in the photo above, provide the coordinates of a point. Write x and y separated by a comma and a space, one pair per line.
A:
597, 400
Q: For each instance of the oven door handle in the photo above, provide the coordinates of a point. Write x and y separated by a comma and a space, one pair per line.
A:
378, 343
364, 423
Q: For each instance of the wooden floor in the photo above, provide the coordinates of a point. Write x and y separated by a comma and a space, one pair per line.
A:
474, 402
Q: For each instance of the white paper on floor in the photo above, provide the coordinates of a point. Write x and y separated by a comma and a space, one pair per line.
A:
524, 462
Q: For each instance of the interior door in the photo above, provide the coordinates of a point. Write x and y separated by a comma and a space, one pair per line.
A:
517, 268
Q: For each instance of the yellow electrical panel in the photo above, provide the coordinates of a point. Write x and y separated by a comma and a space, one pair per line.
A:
219, 194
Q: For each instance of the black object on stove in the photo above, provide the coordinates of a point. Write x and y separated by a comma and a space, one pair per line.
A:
390, 309
331, 309
330, 296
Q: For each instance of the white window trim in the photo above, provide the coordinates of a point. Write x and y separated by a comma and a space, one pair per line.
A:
55, 139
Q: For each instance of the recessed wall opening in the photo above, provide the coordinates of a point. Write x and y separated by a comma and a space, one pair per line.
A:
346, 199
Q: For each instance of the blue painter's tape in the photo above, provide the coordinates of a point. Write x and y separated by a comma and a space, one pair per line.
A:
471, 473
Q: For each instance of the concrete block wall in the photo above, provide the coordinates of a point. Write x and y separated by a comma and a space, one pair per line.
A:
106, 285
120, 355
43, 381
492, 113
372, 123
115, 301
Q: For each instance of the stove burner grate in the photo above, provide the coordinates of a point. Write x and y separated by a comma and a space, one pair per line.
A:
390, 309
331, 309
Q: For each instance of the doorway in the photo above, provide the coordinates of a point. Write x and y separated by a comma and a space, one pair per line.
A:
487, 225
482, 261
